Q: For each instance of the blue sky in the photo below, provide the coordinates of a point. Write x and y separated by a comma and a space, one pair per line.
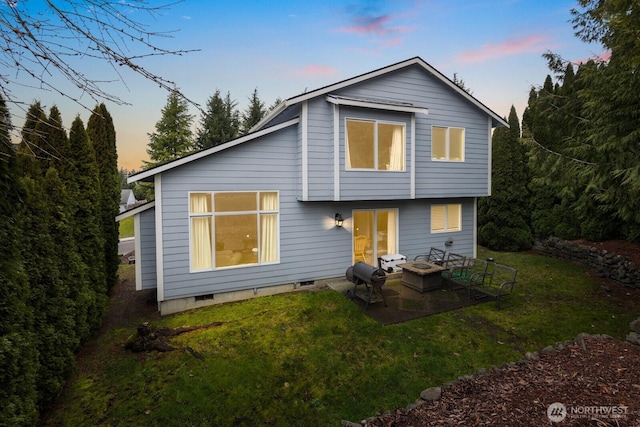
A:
283, 48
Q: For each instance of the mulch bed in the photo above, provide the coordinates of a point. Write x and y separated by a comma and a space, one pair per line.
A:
596, 379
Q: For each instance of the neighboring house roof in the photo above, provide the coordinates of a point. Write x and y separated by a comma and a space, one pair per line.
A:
136, 210
286, 111
126, 196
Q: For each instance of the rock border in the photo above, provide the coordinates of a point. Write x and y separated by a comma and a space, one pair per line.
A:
615, 267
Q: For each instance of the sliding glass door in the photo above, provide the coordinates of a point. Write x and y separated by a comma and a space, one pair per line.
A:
375, 233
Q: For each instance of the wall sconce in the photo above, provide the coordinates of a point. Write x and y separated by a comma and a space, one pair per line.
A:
339, 220
449, 242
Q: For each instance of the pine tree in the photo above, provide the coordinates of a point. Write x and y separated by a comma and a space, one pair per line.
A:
18, 351
219, 124
254, 112
173, 136
504, 217
102, 135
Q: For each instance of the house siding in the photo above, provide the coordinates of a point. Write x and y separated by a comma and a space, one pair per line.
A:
432, 179
311, 246
147, 256
304, 161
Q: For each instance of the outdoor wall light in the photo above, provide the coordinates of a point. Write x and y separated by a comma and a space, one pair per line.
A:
339, 220
449, 242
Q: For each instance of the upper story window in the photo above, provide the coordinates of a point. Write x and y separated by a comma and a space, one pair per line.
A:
447, 144
446, 218
233, 228
375, 145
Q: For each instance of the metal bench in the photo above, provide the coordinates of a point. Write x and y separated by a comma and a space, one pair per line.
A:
454, 268
435, 256
498, 284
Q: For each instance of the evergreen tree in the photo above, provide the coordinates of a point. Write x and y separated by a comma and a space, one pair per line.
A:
54, 322
277, 102
18, 353
220, 122
504, 217
57, 139
254, 112
173, 136
33, 156
87, 228
102, 135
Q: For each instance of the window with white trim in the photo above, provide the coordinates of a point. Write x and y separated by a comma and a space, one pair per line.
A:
446, 218
447, 144
233, 228
376, 145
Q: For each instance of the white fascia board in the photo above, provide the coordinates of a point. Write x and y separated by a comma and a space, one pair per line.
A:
204, 153
377, 105
270, 115
135, 211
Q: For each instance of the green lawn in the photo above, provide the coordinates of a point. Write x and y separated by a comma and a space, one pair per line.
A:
313, 358
126, 227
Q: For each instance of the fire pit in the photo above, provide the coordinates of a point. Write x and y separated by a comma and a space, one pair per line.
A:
421, 276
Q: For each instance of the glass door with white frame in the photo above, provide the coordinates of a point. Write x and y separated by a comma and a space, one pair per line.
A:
375, 233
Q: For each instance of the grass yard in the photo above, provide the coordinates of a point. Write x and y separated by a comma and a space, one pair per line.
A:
126, 227
313, 358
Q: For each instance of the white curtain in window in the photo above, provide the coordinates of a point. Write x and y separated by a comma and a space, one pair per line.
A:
201, 248
347, 155
201, 243
396, 155
392, 237
200, 202
269, 228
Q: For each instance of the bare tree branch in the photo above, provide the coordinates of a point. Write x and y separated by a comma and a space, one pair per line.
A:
43, 41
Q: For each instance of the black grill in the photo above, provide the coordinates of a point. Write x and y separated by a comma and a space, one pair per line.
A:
371, 277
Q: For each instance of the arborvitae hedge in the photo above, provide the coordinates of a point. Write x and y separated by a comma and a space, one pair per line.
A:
53, 287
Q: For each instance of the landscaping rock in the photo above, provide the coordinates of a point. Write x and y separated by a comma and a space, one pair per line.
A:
635, 325
633, 338
431, 394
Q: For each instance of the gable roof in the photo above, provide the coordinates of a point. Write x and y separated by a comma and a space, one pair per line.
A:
262, 128
326, 90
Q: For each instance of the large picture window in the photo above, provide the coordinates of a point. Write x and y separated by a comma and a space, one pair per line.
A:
233, 228
447, 144
375, 145
446, 218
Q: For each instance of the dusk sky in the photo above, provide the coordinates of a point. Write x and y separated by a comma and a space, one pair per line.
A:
284, 48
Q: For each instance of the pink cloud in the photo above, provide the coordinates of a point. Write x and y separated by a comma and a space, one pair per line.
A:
377, 25
604, 57
368, 25
508, 47
315, 70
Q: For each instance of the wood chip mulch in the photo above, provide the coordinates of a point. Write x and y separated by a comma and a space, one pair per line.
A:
597, 379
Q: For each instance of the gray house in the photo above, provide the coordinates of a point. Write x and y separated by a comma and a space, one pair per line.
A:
387, 162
